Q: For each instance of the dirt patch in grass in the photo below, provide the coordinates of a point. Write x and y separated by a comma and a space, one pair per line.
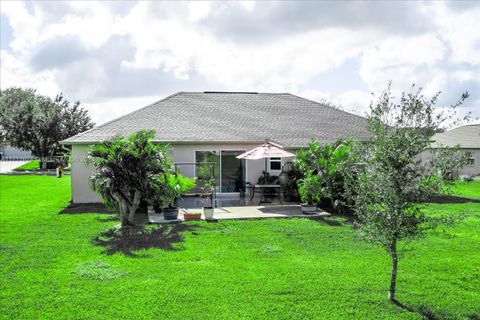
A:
129, 240
97, 270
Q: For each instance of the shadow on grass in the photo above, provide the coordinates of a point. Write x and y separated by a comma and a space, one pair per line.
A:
446, 199
129, 240
109, 218
79, 208
327, 221
427, 313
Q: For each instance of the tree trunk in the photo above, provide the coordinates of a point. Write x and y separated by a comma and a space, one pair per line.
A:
393, 275
44, 163
123, 212
133, 209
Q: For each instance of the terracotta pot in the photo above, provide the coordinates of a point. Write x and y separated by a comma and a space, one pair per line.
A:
192, 216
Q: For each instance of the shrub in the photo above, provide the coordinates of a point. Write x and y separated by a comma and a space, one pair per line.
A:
310, 189
128, 170
333, 165
177, 186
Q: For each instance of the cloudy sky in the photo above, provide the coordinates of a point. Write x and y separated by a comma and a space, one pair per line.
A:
118, 56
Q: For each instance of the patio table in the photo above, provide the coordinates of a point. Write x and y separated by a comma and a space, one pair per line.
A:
264, 192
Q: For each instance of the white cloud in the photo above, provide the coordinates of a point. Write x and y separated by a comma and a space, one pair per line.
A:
102, 112
404, 60
15, 73
248, 5
92, 24
130, 51
354, 101
25, 26
198, 10
461, 31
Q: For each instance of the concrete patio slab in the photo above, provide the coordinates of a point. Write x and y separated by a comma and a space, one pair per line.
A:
245, 212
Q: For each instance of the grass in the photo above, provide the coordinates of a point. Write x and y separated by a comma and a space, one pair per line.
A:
467, 189
75, 266
29, 166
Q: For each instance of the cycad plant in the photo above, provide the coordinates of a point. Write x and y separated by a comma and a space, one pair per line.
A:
128, 170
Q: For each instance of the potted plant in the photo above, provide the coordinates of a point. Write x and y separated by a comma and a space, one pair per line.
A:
176, 186
309, 189
207, 190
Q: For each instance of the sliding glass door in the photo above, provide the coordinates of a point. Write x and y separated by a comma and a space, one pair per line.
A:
232, 172
207, 165
228, 171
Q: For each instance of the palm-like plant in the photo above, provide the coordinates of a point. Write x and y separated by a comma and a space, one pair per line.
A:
128, 170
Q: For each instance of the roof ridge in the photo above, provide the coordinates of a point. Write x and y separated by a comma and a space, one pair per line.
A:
333, 108
462, 126
232, 92
123, 116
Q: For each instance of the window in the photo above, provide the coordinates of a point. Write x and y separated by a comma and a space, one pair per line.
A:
275, 164
470, 158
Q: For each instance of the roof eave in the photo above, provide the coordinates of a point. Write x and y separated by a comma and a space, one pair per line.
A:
66, 142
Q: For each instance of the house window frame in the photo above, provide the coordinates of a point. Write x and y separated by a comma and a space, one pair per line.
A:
470, 158
274, 160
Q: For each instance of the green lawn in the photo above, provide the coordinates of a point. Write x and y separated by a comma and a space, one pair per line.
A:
29, 166
468, 189
278, 269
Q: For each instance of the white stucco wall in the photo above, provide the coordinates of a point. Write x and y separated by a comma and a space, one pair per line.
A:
82, 193
81, 172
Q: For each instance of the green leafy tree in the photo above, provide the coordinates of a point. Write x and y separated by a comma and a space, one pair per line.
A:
392, 182
128, 170
37, 123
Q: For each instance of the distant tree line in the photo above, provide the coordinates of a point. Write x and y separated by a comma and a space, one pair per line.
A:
37, 123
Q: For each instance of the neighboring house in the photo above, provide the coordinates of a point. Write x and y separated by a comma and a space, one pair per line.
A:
218, 126
8, 152
468, 139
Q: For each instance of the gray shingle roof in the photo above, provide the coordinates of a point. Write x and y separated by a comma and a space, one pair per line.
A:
467, 137
228, 117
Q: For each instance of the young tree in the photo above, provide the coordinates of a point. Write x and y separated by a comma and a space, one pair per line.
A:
37, 123
128, 170
392, 182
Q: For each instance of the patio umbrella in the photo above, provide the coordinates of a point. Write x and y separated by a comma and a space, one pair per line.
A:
266, 150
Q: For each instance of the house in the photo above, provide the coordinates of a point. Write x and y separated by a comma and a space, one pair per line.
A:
218, 126
468, 139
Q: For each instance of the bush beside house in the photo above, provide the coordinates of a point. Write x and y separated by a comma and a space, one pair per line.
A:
131, 170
